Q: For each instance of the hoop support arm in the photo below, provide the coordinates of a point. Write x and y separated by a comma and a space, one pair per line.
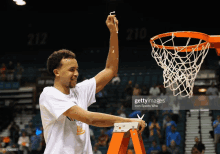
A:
215, 43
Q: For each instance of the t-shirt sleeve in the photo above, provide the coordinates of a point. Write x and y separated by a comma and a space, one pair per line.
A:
89, 88
57, 105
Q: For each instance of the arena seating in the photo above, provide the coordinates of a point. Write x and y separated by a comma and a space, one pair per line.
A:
9, 85
142, 77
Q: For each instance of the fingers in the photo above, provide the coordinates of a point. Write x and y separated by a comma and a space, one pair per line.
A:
112, 19
115, 20
141, 127
112, 23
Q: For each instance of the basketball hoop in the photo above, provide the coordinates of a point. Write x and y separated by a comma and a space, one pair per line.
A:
181, 64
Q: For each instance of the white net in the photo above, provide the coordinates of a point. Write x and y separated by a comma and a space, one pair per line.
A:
179, 71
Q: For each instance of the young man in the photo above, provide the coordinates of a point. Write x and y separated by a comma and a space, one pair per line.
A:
64, 107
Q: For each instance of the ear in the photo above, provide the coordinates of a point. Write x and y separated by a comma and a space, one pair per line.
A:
56, 72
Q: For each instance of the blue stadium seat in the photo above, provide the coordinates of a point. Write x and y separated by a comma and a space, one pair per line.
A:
8, 85
154, 79
161, 79
2, 86
15, 85
124, 80
147, 80
133, 79
139, 80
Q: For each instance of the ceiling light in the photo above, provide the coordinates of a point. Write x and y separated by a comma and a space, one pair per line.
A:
20, 2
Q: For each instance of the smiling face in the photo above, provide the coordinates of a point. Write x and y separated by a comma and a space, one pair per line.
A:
68, 73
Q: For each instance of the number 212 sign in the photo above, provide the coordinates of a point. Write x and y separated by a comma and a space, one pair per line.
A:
37, 38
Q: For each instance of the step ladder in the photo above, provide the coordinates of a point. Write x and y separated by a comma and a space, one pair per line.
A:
122, 133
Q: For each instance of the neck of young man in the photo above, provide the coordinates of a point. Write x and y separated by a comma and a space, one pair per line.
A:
62, 88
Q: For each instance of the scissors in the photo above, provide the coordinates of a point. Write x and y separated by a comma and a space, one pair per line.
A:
141, 117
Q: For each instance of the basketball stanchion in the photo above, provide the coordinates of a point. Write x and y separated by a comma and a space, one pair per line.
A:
120, 139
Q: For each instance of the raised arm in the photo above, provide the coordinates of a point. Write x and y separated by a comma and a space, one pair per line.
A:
111, 68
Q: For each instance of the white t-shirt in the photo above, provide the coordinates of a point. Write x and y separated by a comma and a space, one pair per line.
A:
63, 136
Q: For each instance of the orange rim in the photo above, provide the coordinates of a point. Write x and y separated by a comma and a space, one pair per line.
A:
213, 40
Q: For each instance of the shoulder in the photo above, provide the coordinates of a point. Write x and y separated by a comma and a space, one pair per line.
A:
49, 91
85, 82
51, 94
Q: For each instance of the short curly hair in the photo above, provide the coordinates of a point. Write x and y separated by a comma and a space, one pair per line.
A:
53, 62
